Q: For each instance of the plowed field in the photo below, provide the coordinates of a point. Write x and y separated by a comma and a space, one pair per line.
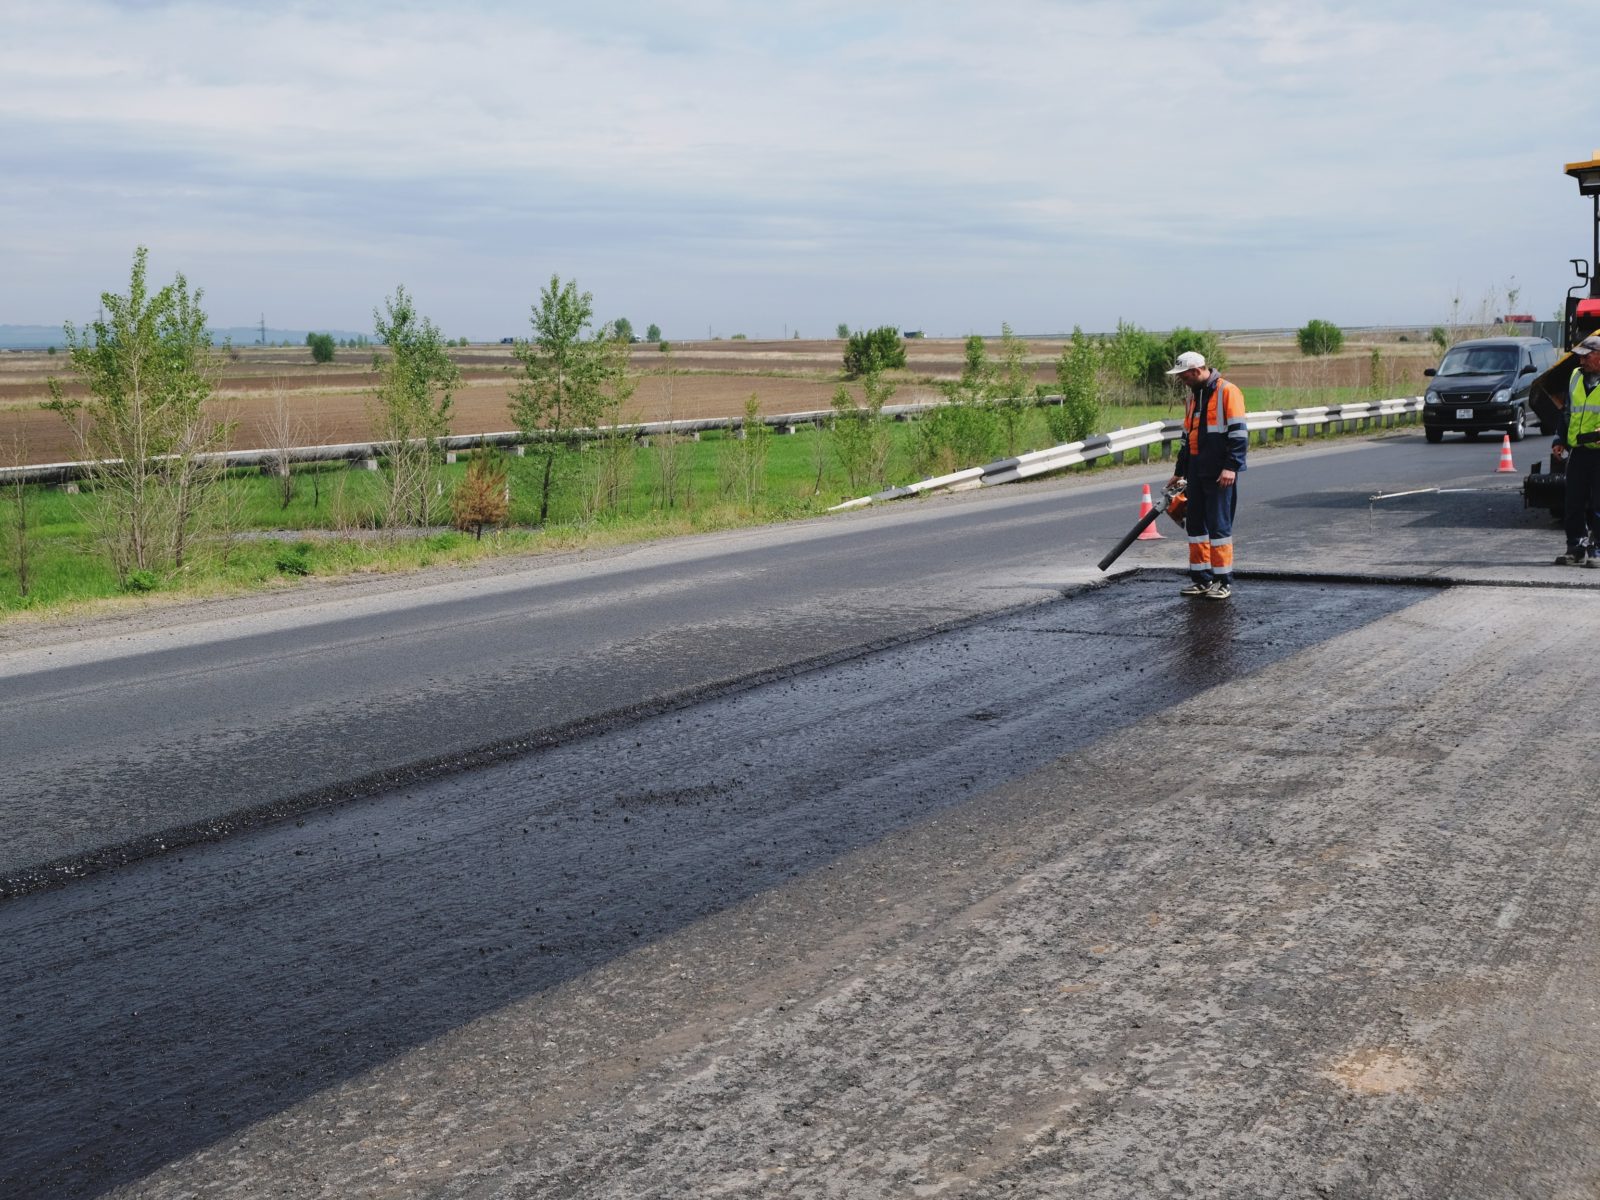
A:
700, 379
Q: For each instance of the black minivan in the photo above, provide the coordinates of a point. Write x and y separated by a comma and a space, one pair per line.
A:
1483, 384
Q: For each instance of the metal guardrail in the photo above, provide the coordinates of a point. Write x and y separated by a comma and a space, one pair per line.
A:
1143, 438
356, 452
1008, 470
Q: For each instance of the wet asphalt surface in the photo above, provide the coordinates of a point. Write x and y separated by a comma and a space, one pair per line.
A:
153, 1010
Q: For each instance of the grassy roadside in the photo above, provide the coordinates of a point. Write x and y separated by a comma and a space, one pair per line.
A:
329, 527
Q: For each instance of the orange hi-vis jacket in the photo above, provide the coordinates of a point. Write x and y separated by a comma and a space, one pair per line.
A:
1215, 435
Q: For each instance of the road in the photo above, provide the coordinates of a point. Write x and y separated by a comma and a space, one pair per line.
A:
1102, 893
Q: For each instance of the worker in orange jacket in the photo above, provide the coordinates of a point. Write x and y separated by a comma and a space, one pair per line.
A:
1211, 456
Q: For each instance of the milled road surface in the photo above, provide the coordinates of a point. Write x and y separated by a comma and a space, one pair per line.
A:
1121, 895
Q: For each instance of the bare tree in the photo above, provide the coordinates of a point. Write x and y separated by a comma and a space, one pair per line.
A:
18, 524
284, 431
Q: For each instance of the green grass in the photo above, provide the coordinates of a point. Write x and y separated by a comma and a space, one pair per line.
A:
330, 526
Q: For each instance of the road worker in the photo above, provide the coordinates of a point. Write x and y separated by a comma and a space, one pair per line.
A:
1210, 457
1582, 436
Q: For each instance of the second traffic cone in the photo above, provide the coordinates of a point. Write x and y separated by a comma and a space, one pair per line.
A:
1506, 467
1150, 532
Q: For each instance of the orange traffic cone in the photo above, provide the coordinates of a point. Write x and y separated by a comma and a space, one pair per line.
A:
1506, 467
1150, 532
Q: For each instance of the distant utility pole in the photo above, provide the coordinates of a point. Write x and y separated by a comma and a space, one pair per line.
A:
262, 340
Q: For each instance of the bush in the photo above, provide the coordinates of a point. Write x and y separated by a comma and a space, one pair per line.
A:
322, 347
1178, 342
142, 581
294, 560
1320, 337
482, 497
873, 351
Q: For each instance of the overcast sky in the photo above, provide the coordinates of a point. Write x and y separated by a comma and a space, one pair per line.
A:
732, 168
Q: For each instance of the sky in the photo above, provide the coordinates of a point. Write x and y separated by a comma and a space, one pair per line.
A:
718, 168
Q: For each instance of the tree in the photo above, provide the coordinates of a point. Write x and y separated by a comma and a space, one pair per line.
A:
841, 331
742, 462
322, 347
1014, 388
873, 352
1078, 375
1320, 337
622, 329
652, 332
413, 401
149, 367
567, 378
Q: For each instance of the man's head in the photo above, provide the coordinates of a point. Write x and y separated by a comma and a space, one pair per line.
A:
1588, 352
1191, 368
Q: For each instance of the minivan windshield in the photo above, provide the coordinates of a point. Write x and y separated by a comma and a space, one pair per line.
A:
1479, 360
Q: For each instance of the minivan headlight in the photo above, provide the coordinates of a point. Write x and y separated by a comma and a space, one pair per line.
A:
1431, 398
1503, 396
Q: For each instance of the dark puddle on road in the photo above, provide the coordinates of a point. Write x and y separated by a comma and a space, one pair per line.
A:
153, 1010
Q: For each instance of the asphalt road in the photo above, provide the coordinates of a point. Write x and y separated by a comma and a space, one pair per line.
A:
120, 743
1109, 894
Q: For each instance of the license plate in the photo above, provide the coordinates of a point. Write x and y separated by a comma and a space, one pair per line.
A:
1463, 414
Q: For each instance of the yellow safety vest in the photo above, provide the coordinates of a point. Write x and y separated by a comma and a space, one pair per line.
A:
1583, 412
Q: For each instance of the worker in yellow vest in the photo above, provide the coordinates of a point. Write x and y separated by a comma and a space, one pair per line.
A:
1582, 436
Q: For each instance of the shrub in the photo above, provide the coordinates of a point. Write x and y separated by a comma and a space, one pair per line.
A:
294, 560
873, 351
859, 434
142, 581
482, 497
1320, 337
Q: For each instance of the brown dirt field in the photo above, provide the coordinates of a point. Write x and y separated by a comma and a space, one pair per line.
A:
709, 379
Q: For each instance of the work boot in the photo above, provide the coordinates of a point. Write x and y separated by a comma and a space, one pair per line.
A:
1572, 558
1195, 588
1219, 590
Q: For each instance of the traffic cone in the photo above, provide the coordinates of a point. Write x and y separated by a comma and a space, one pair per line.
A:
1150, 532
1506, 467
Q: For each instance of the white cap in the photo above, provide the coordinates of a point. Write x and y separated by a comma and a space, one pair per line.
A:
1189, 360
1589, 345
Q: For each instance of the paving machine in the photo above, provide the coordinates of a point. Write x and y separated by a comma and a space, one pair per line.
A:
1543, 488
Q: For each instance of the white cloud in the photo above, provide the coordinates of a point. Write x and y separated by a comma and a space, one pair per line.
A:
1370, 156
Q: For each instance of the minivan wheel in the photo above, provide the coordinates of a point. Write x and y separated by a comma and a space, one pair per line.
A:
1519, 427
1433, 435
